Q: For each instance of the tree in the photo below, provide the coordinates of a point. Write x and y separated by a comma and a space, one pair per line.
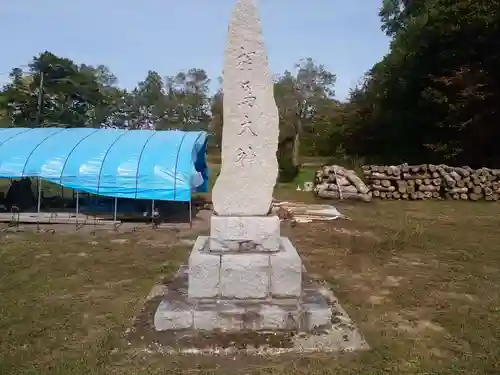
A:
19, 101
188, 101
216, 123
299, 97
396, 14
326, 134
146, 103
433, 97
69, 92
111, 111
4, 117
55, 92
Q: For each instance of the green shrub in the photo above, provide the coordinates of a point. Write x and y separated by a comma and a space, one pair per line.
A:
287, 171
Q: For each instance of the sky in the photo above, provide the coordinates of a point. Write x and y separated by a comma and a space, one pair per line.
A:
168, 36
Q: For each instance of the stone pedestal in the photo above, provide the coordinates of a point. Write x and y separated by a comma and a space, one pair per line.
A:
235, 291
248, 275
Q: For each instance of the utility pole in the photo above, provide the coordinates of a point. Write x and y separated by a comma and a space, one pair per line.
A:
40, 100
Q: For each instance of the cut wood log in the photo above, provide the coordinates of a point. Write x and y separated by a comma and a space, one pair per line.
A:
337, 182
420, 176
342, 181
336, 195
356, 181
429, 188
383, 188
436, 181
458, 190
475, 197
342, 189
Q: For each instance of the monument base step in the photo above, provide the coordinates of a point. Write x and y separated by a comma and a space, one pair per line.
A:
315, 322
312, 312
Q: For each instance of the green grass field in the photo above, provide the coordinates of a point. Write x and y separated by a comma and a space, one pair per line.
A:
420, 279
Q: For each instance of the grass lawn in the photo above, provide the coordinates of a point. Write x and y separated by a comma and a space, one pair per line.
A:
420, 279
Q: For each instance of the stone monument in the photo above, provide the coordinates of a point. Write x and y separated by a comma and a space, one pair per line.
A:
243, 192
251, 122
244, 276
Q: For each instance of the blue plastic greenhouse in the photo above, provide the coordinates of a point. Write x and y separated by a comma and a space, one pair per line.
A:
137, 164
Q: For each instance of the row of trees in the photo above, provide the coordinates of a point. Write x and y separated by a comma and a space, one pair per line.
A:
433, 98
56, 91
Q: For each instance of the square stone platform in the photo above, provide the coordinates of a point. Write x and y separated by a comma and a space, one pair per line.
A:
249, 291
290, 305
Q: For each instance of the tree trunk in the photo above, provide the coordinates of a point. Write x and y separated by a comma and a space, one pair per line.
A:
296, 149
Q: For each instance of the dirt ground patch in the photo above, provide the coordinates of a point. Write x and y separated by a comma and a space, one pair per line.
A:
419, 279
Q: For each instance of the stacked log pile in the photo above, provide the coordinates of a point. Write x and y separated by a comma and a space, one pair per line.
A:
428, 181
336, 182
474, 184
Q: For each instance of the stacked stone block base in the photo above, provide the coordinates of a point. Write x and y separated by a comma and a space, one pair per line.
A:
309, 313
256, 291
254, 275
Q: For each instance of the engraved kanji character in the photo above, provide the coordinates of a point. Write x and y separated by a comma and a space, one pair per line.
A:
242, 155
247, 101
245, 85
245, 125
245, 59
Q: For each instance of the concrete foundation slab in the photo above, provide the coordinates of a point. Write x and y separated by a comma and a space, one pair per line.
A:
176, 324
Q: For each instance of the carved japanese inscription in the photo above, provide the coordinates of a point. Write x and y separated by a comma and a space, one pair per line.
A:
245, 59
251, 125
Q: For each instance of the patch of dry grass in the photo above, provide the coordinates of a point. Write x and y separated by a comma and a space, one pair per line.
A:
66, 299
420, 279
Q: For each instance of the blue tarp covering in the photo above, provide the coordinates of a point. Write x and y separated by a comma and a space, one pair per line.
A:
138, 164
